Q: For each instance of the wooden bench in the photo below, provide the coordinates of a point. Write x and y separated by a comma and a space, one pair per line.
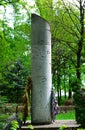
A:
63, 109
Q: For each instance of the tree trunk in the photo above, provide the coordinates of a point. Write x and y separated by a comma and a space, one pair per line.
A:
58, 84
70, 89
69, 93
80, 43
60, 94
64, 81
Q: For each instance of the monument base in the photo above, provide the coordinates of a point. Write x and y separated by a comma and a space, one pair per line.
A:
66, 124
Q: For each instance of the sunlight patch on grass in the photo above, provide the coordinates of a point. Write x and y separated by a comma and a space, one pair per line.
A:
66, 116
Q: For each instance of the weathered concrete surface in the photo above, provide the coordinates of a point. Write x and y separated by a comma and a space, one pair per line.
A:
41, 71
70, 125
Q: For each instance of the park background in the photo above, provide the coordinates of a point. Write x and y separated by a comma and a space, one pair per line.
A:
66, 19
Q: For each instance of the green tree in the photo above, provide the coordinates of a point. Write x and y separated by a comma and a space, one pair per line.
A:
67, 25
16, 77
15, 36
59, 52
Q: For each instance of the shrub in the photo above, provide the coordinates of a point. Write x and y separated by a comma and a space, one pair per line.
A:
79, 98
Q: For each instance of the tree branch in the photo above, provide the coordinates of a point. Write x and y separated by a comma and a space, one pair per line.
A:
66, 43
70, 15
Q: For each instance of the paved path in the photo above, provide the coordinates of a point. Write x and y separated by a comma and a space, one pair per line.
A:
70, 125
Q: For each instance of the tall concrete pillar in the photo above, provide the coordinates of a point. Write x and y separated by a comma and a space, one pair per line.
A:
41, 71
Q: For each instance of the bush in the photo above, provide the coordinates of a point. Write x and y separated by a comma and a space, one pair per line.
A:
3, 100
79, 98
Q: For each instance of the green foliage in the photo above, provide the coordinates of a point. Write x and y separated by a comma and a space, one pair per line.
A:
14, 37
80, 129
79, 98
14, 125
1, 125
3, 118
62, 41
3, 100
63, 127
65, 21
16, 77
30, 127
75, 84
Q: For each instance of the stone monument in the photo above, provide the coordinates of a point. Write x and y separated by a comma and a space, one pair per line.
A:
41, 71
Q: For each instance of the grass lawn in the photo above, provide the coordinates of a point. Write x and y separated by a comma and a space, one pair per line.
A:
66, 116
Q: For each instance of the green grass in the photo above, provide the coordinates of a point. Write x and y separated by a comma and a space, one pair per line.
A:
66, 116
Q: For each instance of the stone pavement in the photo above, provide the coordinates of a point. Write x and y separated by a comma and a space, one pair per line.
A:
69, 124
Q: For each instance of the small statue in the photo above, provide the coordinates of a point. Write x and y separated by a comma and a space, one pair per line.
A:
54, 105
27, 98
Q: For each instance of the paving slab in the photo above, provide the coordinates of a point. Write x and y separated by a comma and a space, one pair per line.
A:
69, 124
